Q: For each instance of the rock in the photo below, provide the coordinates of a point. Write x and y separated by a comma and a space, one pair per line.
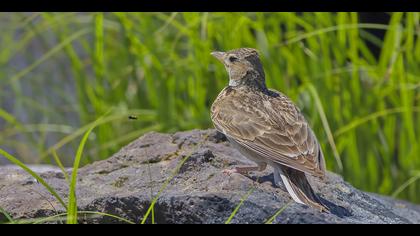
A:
37, 168
125, 184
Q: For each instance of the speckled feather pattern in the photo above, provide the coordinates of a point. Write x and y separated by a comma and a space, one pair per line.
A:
266, 126
269, 124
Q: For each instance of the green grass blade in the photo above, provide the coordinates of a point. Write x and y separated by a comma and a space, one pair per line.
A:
58, 217
72, 205
270, 221
326, 125
33, 128
99, 64
335, 28
410, 181
165, 184
8, 217
47, 55
61, 166
246, 196
82, 130
7, 117
357, 122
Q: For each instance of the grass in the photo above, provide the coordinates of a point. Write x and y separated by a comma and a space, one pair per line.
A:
274, 217
245, 197
241, 202
410, 181
72, 202
64, 216
15, 161
61, 71
151, 208
72, 213
7, 216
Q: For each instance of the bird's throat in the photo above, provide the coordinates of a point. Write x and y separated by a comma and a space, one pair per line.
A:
234, 83
250, 80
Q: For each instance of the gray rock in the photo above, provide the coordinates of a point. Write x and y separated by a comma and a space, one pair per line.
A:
125, 184
36, 168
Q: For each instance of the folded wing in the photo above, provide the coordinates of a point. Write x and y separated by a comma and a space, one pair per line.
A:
271, 126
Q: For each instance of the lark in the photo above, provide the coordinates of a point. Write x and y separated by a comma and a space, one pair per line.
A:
265, 126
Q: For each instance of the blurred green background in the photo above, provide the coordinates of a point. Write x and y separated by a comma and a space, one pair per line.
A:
359, 91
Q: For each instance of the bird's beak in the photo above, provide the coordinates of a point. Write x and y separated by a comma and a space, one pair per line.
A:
218, 55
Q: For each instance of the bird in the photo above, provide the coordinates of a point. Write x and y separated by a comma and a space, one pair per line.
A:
265, 126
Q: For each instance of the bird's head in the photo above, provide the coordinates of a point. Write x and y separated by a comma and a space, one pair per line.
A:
243, 65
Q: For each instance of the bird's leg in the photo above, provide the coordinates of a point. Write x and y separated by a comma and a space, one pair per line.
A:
245, 169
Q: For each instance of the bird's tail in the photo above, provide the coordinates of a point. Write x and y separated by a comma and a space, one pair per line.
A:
299, 188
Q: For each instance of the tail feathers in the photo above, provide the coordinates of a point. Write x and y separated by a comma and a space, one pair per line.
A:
299, 188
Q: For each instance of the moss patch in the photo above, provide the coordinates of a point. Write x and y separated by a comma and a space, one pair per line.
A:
120, 181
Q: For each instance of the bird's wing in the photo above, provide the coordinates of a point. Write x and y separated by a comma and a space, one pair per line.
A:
271, 126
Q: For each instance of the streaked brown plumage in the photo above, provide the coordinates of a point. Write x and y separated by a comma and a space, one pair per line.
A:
266, 127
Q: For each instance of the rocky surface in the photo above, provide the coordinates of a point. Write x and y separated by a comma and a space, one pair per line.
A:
125, 184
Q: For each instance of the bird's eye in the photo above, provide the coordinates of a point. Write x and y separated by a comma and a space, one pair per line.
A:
232, 58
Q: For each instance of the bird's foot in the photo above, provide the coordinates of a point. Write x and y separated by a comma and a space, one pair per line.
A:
241, 170
229, 172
